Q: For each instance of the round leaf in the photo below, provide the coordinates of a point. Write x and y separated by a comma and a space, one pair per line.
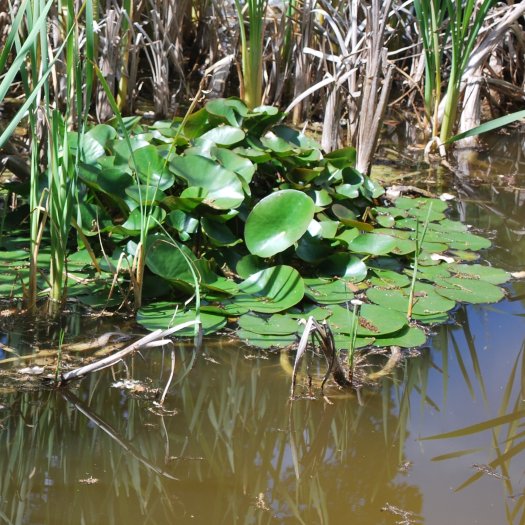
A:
373, 320
223, 186
272, 290
374, 244
278, 221
162, 315
469, 290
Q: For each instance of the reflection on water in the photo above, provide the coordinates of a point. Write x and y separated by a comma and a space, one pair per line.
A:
231, 448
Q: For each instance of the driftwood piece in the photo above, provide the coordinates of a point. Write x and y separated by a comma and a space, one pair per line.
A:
155, 338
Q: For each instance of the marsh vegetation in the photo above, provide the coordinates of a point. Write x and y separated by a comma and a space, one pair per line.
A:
210, 167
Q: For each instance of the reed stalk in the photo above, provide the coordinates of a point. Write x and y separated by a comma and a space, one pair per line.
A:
466, 20
252, 49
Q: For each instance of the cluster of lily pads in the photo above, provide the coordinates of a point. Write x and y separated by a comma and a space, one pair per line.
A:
273, 228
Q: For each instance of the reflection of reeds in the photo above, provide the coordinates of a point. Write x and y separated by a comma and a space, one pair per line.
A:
506, 434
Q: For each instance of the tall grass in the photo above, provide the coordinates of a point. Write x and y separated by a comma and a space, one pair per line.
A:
444, 23
50, 129
252, 49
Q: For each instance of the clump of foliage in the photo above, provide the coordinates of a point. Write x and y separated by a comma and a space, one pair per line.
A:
250, 215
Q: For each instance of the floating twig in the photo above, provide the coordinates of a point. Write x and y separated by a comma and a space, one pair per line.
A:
153, 339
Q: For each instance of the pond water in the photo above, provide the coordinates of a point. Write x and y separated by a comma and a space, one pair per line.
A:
231, 448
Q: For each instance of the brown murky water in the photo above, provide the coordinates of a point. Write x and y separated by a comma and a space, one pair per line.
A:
234, 450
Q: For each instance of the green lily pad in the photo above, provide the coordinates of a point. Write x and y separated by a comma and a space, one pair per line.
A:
328, 291
137, 220
152, 169
426, 300
272, 290
233, 162
172, 263
469, 290
342, 158
219, 233
224, 189
226, 308
277, 324
407, 337
344, 265
388, 279
266, 340
223, 135
278, 221
142, 194
250, 264
373, 320
431, 319
373, 244
477, 271
161, 315
231, 109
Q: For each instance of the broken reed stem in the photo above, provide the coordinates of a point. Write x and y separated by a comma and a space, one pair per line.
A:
115, 358
326, 342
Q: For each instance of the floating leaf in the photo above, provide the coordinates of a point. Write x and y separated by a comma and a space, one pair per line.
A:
407, 337
164, 315
152, 168
224, 189
250, 264
266, 340
328, 291
388, 279
277, 221
233, 162
218, 232
373, 244
344, 265
231, 109
277, 324
272, 290
138, 221
342, 158
477, 271
469, 290
426, 300
223, 135
373, 320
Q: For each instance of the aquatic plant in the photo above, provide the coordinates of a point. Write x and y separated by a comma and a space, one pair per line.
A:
252, 49
441, 22
253, 215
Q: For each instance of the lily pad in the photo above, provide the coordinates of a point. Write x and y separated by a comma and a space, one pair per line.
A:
224, 189
469, 290
478, 271
278, 221
407, 337
223, 135
344, 265
272, 290
373, 320
161, 315
277, 324
426, 300
328, 291
266, 340
388, 279
373, 244
152, 168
